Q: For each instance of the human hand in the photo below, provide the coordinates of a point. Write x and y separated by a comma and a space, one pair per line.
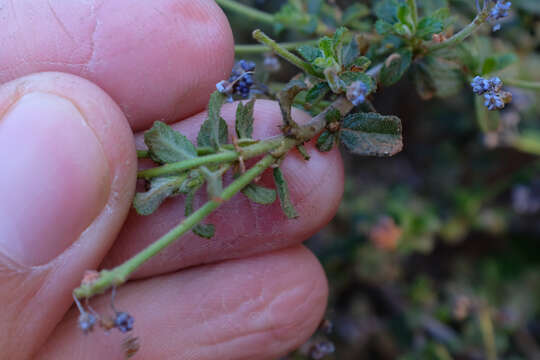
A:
68, 160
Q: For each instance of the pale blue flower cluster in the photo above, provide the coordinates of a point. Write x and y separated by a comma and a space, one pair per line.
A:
499, 11
357, 92
491, 89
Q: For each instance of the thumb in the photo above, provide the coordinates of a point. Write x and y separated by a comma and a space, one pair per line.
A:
68, 175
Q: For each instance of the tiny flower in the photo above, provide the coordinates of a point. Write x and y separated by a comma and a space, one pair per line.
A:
247, 65
480, 85
493, 101
124, 321
357, 92
224, 87
322, 349
271, 63
498, 12
86, 322
241, 78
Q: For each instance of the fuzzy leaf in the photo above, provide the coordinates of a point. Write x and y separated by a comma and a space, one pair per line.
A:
260, 194
317, 92
286, 99
325, 142
372, 134
387, 10
213, 132
326, 45
309, 53
206, 231
244, 120
283, 193
429, 26
354, 12
349, 53
348, 77
166, 145
498, 62
291, 16
360, 64
395, 67
145, 203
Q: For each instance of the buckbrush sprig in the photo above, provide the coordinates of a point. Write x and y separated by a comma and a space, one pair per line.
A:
338, 75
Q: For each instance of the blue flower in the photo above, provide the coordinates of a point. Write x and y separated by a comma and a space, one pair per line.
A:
498, 12
86, 322
493, 101
124, 322
480, 85
357, 92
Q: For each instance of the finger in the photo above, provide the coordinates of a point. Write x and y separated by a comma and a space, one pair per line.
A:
158, 59
242, 228
68, 168
256, 308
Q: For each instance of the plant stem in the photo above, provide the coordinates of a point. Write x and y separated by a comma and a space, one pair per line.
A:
142, 154
284, 53
461, 35
247, 11
257, 49
531, 85
414, 11
488, 333
281, 145
120, 274
223, 157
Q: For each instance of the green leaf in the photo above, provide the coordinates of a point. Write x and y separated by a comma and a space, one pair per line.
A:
437, 77
361, 64
325, 142
206, 231
404, 15
528, 142
283, 194
294, 17
317, 92
429, 26
161, 188
372, 134
286, 99
260, 194
213, 132
353, 13
168, 146
348, 77
350, 53
244, 119
395, 67
326, 45
387, 10
383, 28
309, 53
498, 62
338, 41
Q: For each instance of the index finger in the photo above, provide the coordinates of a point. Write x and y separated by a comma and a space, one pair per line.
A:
159, 59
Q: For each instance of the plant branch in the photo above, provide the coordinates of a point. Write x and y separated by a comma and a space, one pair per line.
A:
284, 53
461, 35
279, 146
257, 49
414, 11
247, 11
228, 156
530, 85
121, 273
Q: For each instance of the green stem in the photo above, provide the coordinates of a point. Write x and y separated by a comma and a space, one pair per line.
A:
488, 333
414, 11
281, 146
257, 49
224, 157
284, 53
247, 11
461, 35
531, 85
142, 154
120, 274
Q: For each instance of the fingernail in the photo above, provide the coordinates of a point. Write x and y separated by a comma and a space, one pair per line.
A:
55, 178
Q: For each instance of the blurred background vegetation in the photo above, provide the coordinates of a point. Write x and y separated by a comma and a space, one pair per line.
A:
434, 252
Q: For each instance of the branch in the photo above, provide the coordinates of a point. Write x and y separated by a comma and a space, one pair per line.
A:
461, 35
281, 145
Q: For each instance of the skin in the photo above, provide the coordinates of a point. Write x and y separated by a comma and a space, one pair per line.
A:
80, 81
